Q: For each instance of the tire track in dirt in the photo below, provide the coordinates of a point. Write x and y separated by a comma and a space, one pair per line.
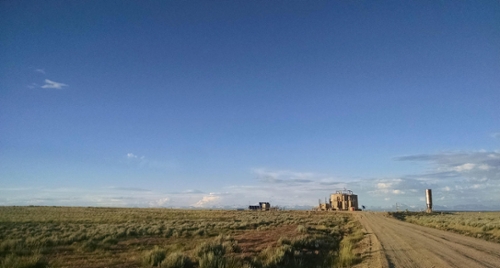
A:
467, 250
408, 245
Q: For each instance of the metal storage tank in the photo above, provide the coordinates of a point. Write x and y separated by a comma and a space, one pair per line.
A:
428, 197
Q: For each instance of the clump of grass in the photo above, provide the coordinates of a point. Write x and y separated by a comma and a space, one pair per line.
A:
282, 255
110, 241
200, 232
301, 229
212, 254
33, 261
347, 257
212, 260
214, 248
154, 257
89, 245
284, 241
176, 260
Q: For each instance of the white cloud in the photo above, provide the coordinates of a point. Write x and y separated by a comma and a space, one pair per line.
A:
484, 167
384, 185
131, 156
130, 189
471, 165
464, 167
160, 202
496, 135
143, 162
207, 200
397, 191
473, 176
284, 176
42, 71
52, 84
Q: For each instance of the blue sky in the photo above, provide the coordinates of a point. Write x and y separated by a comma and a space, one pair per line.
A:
222, 103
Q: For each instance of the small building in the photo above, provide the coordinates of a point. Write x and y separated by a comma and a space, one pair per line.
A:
324, 206
264, 206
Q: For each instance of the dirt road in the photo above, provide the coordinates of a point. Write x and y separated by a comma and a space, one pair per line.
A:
393, 243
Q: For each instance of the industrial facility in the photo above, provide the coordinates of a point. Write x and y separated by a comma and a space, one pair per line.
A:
264, 206
344, 200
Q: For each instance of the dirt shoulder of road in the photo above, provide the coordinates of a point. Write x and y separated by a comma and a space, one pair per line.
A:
369, 247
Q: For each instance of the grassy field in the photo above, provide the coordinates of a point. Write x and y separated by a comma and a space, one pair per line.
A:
484, 225
126, 237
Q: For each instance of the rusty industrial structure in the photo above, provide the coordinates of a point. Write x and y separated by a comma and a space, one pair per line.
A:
264, 206
344, 200
428, 198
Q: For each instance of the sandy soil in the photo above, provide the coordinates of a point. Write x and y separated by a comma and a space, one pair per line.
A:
393, 243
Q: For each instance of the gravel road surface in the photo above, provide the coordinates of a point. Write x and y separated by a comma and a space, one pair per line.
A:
393, 243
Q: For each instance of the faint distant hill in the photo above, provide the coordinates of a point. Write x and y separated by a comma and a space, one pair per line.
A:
461, 207
471, 207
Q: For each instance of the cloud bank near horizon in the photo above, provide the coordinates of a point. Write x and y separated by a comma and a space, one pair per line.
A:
457, 178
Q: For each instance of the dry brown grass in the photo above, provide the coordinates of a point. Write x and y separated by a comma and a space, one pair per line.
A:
114, 237
483, 225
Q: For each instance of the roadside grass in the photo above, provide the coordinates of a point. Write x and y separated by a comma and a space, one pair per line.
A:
126, 237
347, 256
31, 261
483, 225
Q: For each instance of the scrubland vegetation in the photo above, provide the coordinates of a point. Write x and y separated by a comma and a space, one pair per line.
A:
484, 225
119, 237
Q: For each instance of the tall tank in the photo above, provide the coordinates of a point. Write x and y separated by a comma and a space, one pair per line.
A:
428, 197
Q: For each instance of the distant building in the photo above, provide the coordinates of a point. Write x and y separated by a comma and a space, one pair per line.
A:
344, 200
264, 206
341, 200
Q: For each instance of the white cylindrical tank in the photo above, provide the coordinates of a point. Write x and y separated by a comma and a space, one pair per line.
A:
428, 197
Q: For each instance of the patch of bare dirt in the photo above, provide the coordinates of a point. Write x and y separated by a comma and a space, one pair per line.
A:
253, 242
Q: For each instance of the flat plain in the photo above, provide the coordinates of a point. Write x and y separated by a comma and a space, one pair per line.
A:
142, 237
